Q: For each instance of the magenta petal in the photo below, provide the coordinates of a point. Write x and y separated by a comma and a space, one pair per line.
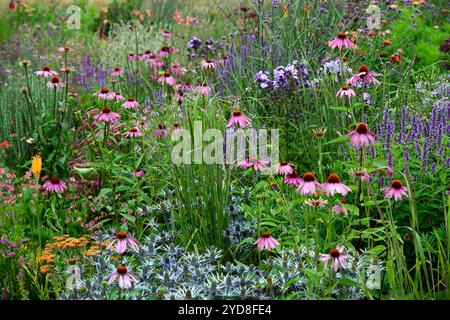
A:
121, 281
335, 264
113, 277
121, 246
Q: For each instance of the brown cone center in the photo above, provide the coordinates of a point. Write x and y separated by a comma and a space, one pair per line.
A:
309, 177
121, 270
333, 178
335, 253
396, 184
54, 180
362, 128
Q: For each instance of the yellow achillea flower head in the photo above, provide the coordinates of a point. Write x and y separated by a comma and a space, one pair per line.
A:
36, 166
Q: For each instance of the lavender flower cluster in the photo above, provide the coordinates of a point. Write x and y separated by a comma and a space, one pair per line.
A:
334, 68
205, 48
9, 249
89, 76
285, 78
422, 131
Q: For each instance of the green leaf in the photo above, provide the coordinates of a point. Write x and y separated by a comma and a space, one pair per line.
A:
347, 282
128, 217
340, 139
104, 192
378, 249
98, 225
339, 108
84, 171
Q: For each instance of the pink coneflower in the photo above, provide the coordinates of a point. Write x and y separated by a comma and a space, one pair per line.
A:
203, 89
117, 72
180, 96
131, 57
64, 50
167, 78
316, 202
253, 161
336, 256
175, 69
245, 164
338, 209
258, 164
208, 64
55, 83
334, 184
133, 133
117, 96
176, 131
166, 34
67, 70
46, 72
121, 240
389, 171
223, 60
364, 76
396, 190
345, 92
104, 94
55, 184
183, 86
164, 52
147, 54
139, 174
131, 104
285, 168
155, 61
266, 242
161, 131
238, 118
361, 136
126, 278
340, 42
107, 116
308, 185
362, 174
142, 56
292, 179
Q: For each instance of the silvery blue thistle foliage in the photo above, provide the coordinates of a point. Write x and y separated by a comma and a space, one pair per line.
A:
168, 271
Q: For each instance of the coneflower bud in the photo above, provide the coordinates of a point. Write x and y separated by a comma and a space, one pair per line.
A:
407, 236
394, 58
319, 133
